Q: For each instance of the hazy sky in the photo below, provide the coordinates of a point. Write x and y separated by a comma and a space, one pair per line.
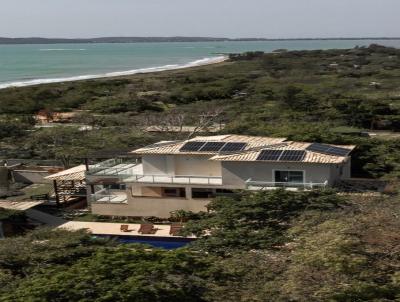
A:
224, 18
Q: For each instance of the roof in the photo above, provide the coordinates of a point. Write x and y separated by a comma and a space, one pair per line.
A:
173, 147
76, 173
19, 205
186, 129
310, 157
255, 145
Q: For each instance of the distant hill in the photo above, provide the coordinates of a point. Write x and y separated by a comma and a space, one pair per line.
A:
38, 40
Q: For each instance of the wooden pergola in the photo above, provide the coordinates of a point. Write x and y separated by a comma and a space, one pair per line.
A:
69, 184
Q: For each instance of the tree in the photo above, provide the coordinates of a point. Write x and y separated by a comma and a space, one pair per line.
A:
124, 273
256, 220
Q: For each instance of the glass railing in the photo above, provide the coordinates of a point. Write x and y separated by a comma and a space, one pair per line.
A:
299, 185
167, 179
112, 167
109, 196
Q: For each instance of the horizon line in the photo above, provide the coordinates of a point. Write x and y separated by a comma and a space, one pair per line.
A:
203, 37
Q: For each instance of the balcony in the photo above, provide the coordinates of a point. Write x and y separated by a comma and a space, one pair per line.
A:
109, 196
130, 171
262, 185
114, 168
181, 180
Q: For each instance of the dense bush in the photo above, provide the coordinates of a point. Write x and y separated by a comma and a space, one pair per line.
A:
267, 246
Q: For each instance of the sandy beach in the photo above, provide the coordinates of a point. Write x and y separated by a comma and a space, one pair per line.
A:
197, 63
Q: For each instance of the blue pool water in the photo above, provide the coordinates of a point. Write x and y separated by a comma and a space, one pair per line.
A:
164, 243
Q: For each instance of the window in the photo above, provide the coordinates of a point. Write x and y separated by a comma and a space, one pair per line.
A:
202, 193
121, 187
289, 176
174, 192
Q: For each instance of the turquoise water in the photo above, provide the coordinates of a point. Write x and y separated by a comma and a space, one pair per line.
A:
22, 65
159, 242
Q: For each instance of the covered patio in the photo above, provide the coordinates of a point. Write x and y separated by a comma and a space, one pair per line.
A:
69, 185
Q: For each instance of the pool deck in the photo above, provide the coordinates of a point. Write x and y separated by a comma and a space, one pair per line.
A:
114, 229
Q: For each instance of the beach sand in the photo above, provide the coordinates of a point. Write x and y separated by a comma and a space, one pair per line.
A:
197, 63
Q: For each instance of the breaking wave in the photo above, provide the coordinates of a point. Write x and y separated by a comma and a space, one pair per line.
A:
205, 61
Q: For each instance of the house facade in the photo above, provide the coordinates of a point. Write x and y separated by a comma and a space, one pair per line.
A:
186, 175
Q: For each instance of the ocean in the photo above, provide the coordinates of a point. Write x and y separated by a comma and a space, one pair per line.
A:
24, 65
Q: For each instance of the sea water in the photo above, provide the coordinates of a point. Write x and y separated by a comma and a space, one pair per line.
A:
23, 65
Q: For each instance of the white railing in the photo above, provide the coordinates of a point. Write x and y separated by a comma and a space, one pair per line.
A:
178, 179
112, 167
107, 196
260, 185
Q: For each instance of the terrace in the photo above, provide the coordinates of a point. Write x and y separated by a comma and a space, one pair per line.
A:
263, 185
114, 170
130, 171
115, 167
177, 179
109, 196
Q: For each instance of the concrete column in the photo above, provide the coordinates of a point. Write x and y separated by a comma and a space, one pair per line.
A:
1, 231
4, 181
56, 193
170, 165
188, 192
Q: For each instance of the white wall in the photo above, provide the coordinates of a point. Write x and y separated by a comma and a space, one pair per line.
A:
148, 207
180, 165
236, 173
196, 166
347, 169
154, 164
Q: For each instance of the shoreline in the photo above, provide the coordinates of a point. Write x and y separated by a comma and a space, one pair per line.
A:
182, 39
196, 63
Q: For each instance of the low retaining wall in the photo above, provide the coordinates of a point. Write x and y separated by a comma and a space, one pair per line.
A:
31, 177
149, 207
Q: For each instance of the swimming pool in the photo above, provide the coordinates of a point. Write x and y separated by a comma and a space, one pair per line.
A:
159, 242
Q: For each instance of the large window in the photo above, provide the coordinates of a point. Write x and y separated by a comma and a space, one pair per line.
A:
121, 187
202, 193
174, 192
289, 176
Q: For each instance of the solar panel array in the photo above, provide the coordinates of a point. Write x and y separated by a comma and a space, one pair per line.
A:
233, 147
328, 149
212, 147
270, 155
192, 146
281, 155
293, 155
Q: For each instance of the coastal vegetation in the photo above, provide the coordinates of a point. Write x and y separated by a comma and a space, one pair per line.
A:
327, 96
266, 246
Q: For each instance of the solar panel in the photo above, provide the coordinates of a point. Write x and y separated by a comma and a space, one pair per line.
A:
292, 155
338, 151
233, 147
212, 147
318, 148
192, 146
328, 149
270, 155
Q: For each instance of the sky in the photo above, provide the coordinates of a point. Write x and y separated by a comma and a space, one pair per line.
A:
207, 18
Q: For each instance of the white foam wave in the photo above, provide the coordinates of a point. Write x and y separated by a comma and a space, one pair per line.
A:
62, 49
201, 62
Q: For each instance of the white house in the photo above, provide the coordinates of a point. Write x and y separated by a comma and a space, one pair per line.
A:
174, 175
